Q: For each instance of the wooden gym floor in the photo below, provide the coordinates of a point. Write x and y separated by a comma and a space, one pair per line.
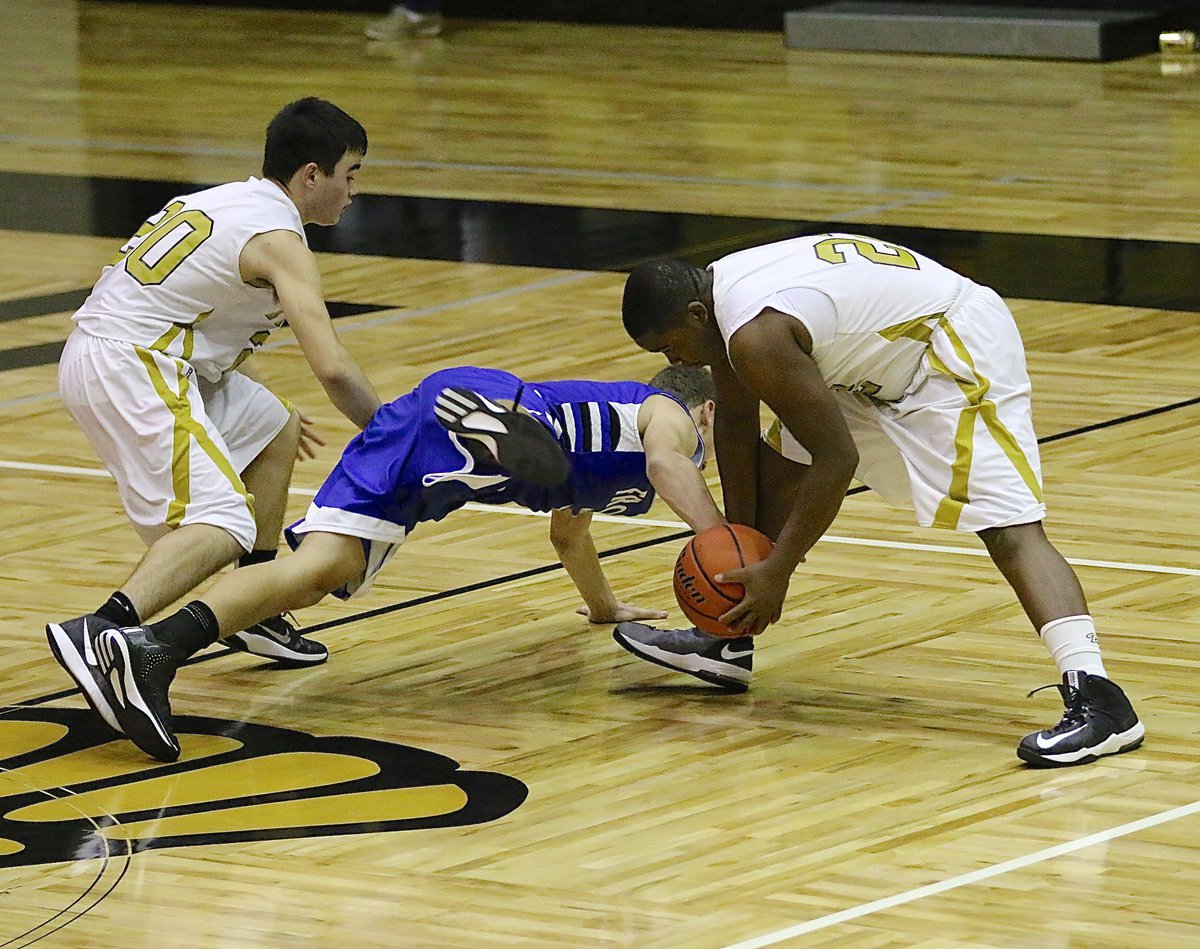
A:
476, 766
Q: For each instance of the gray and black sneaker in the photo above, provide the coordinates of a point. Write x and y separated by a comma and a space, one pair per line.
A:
717, 660
1099, 720
516, 441
72, 643
140, 670
277, 638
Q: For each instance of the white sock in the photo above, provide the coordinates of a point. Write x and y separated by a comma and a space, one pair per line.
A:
1071, 642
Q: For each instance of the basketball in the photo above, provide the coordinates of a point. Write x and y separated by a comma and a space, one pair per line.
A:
725, 547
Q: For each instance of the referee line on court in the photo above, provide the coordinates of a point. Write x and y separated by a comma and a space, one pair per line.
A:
73, 471
967, 879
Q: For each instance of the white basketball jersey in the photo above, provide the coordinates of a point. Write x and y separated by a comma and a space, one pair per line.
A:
869, 342
176, 287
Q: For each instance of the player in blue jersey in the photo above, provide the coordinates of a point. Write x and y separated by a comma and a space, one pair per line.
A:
568, 447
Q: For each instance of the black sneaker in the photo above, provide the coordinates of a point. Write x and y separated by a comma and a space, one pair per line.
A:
1098, 721
140, 669
72, 644
278, 639
716, 660
515, 441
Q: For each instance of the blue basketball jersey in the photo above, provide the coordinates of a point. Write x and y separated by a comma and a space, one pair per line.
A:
405, 468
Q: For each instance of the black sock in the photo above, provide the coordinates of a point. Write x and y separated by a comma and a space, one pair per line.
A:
256, 556
119, 609
188, 631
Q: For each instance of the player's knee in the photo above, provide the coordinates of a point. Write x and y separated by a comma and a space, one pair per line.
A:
318, 577
1009, 545
289, 435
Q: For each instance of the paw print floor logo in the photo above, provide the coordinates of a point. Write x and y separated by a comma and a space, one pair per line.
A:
69, 791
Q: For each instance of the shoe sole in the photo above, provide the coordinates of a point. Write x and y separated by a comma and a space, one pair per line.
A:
77, 668
1114, 744
736, 680
522, 446
142, 726
267, 647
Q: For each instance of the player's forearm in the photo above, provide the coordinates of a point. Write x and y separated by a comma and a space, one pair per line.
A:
818, 499
350, 391
678, 482
579, 558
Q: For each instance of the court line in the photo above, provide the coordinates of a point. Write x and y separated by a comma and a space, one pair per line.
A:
679, 525
966, 879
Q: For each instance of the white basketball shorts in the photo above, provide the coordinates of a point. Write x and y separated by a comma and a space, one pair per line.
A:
176, 444
960, 447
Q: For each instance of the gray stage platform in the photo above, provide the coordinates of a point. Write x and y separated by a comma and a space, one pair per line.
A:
973, 30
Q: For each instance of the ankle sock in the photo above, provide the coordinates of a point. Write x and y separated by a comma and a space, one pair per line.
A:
1071, 642
256, 556
119, 609
188, 630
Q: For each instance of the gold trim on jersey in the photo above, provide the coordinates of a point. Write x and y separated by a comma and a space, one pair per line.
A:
187, 428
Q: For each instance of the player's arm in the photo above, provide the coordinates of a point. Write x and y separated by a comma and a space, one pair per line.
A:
771, 355
280, 259
669, 441
736, 433
573, 543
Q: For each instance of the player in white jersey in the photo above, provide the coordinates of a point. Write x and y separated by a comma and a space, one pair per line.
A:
884, 365
201, 451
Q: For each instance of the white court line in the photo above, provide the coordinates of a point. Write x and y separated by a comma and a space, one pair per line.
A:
966, 879
525, 171
679, 525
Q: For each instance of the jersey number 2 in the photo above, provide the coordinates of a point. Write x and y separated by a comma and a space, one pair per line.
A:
832, 250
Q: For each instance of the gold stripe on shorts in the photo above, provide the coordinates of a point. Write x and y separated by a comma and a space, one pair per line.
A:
978, 406
186, 428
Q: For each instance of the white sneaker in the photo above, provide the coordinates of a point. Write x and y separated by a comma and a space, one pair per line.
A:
403, 22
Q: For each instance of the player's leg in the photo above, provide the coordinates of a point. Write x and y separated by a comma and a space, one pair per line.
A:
263, 435
987, 479
143, 660
145, 420
1098, 719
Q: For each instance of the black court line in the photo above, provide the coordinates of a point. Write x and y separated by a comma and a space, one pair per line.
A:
550, 568
67, 302
1119, 271
45, 354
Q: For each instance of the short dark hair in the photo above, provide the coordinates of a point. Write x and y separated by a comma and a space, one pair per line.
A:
657, 294
310, 129
692, 385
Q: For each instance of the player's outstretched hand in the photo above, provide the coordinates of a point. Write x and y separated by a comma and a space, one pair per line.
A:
620, 613
310, 438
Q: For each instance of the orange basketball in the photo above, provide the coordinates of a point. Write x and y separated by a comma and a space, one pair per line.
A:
726, 547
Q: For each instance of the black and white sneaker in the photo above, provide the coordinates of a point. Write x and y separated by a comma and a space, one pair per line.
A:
716, 660
72, 643
515, 441
1099, 721
140, 670
277, 638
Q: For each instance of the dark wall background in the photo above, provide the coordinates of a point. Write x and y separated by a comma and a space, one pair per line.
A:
739, 14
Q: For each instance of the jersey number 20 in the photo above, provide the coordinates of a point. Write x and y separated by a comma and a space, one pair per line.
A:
164, 242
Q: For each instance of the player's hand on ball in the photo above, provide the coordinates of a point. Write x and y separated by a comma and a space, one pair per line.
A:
620, 613
766, 588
